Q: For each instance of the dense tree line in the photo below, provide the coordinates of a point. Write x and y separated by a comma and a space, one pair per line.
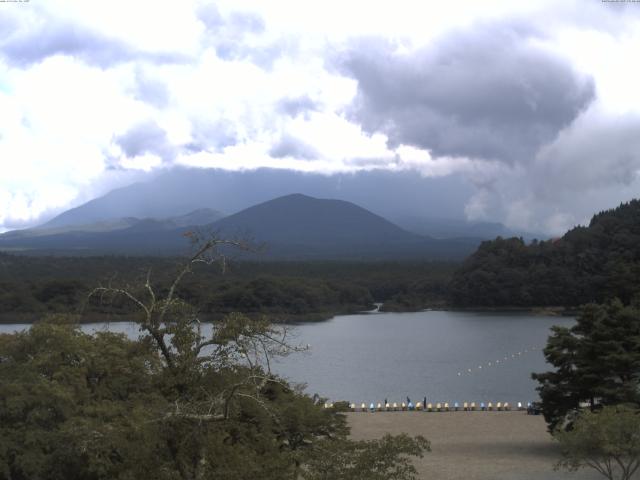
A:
31, 286
591, 398
173, 404
588, 264
596, 361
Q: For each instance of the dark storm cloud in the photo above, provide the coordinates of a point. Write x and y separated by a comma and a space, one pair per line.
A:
486, 93
146, 137
211, 136
289, 146
24, 45
294, 106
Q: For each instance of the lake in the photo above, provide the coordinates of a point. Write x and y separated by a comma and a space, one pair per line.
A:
447, 356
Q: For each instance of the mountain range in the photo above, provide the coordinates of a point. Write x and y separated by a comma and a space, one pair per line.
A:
416, 203
414, 217
294, 226
180, 190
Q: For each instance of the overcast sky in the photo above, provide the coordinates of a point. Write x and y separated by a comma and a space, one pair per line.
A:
536, 103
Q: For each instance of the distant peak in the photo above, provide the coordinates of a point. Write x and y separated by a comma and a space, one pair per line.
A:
294, 196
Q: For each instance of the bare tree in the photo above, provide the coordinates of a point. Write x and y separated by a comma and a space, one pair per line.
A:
237, 344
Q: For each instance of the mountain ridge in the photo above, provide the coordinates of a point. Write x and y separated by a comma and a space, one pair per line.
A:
413, 202
178, 190
200, 216
294, 226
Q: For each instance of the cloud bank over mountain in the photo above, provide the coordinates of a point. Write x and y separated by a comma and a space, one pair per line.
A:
535, 105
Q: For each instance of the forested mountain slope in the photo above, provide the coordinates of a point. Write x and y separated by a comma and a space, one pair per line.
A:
587, 264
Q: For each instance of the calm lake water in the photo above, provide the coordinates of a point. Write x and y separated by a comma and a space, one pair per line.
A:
447, 356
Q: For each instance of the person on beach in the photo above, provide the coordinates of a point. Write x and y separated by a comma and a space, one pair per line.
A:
424, 404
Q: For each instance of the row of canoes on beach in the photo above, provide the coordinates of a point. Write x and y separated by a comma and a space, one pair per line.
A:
435, 407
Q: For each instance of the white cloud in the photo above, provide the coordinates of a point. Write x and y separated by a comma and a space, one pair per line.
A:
217, 95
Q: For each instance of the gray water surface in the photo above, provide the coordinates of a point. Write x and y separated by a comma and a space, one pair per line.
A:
370, 357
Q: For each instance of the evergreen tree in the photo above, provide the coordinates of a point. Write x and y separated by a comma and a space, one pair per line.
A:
588, 264
597, 361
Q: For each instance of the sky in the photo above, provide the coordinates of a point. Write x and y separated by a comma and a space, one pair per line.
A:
536, 104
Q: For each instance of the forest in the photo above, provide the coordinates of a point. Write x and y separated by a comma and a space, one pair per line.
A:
173, 404
286, 291
588, 264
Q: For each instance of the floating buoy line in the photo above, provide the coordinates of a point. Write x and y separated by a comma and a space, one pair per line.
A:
531, 408
506, 359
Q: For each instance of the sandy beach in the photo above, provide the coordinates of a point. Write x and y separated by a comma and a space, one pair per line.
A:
473, 445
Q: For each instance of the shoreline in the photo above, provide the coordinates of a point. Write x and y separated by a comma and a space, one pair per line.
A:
291, 319
556, 311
